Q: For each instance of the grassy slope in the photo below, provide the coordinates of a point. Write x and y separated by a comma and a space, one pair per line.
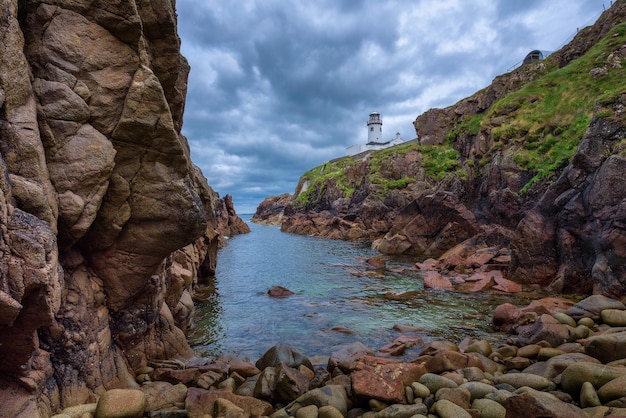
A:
540, 124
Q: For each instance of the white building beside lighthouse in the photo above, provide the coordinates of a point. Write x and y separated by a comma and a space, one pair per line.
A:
374, 137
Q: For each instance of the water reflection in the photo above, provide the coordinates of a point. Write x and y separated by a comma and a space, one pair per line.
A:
337, 300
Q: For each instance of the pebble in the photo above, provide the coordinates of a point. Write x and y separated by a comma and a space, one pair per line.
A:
434, 382
475, 378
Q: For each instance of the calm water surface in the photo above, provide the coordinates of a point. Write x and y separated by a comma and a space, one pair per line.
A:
335, 291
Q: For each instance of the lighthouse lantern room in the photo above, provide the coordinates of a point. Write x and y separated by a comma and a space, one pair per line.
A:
374, 128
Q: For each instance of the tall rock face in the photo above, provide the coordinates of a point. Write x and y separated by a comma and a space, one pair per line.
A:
105, 224
574, 238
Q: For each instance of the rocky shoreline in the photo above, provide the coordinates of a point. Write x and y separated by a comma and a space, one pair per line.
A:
559, 360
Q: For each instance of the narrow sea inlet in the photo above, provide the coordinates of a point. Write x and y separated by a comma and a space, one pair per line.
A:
338, 299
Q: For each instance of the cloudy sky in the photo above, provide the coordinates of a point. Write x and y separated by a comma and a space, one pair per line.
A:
280, 86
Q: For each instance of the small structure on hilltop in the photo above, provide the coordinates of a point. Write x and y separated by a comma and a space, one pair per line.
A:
374, 135
535, 55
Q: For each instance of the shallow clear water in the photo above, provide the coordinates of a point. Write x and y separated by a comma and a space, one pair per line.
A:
335, 292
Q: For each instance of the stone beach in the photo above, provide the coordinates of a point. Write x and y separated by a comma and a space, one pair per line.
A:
557, 360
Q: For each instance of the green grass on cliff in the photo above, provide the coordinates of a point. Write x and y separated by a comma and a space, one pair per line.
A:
317, 179
543, 123
540, 125
437, 161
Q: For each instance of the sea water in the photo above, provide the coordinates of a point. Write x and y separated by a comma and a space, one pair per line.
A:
338, 298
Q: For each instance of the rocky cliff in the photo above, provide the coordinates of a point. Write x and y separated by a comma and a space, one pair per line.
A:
530, 163
105, 224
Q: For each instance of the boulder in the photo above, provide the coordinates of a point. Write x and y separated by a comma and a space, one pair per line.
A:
331, 395
279, 292
589, 396
612, 390
439, 215
478, 390
434, 280
614, 317
402, 411
445, 408
459, 396
449, 360
126, 403
608, 346
598, 375
592, 306
554, 366
518, 380
285, 355
434, 382
537, 404
345, 358
376, 378
489, 408
226, 409
200, 402
289, 383
548, 329
160, 395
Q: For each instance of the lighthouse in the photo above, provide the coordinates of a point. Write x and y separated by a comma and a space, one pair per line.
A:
374, 128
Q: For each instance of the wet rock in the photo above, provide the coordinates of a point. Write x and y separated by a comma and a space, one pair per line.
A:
279, 292
378, 261
505, 316
129, 403
346, 357
238, 365
289, 384
285, 355
434, 280
481, 346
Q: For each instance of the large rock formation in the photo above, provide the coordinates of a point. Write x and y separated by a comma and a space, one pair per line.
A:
479, 167
105, 223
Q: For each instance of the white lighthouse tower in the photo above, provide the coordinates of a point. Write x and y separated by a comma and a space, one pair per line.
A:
374, 128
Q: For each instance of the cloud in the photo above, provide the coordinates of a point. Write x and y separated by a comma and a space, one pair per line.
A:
278, 87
